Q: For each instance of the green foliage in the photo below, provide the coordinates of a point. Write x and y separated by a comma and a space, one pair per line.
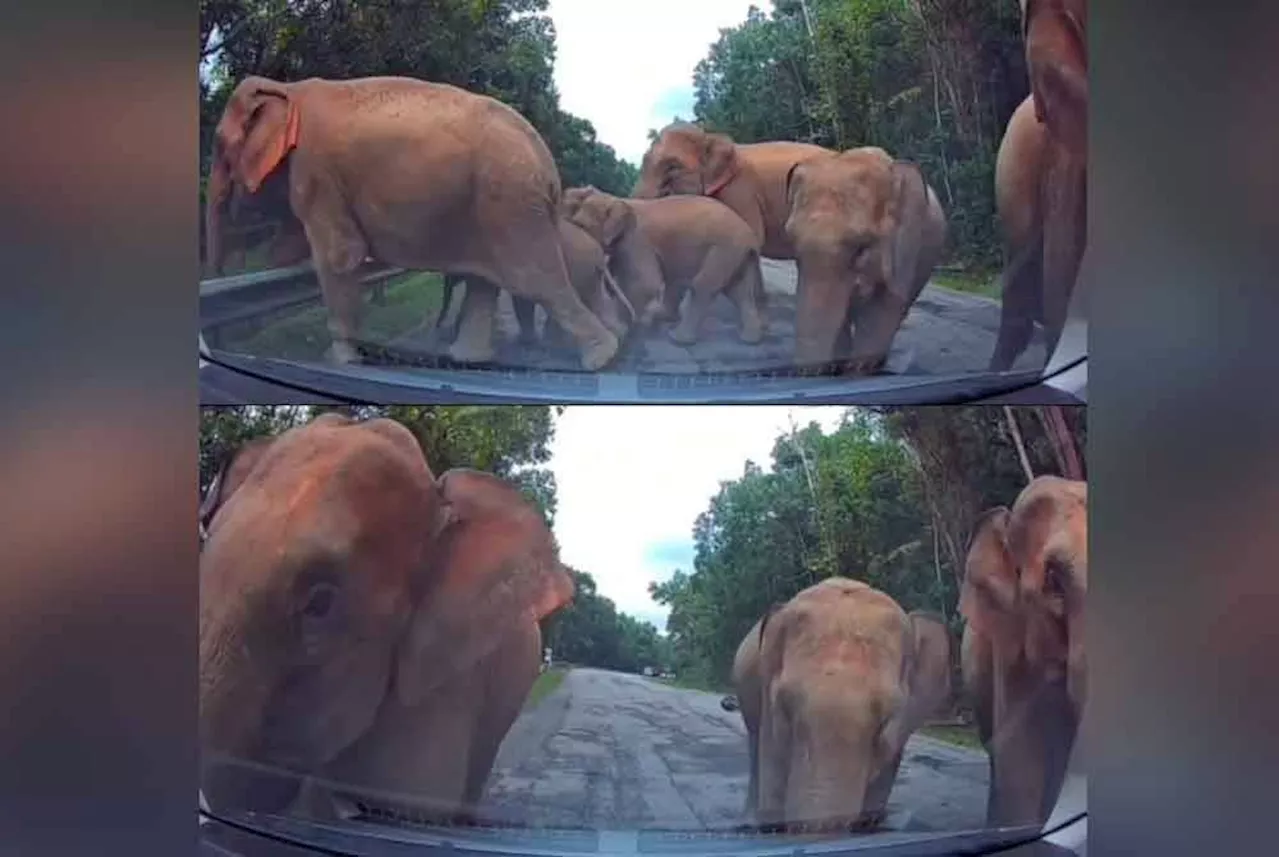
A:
500, 48
854, 503
591, 632
929, 81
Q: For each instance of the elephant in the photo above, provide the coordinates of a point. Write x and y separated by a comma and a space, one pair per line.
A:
416, 175
1041, 179
867, 231
1022, 652
831, 685
661, 247
590, 275
750, 178
368, 631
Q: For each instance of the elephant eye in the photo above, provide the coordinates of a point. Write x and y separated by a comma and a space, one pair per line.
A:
1055, 577
320, 601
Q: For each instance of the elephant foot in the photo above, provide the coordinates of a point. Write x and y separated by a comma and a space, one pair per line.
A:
465, 352
600, 353
752, 334
862, 366
343, 353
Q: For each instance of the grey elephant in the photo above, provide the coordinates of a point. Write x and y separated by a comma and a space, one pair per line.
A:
414, 174
368, 631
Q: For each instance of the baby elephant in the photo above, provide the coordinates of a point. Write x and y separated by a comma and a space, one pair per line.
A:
589, 273
660, 247
831, 684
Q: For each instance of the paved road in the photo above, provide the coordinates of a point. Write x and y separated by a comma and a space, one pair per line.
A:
607, 750
945, 332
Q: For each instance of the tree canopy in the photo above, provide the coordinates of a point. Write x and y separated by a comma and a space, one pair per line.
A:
929, 81
501, 48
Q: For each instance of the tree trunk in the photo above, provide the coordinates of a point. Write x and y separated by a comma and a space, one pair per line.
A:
1070, 465
1017, 442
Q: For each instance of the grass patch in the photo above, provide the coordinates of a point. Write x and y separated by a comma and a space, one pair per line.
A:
544, 684
960, 736
693, 683
410, 300
967, 282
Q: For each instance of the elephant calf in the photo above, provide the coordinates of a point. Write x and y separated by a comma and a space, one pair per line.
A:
364, 623
662, 246
830, 685
589, 273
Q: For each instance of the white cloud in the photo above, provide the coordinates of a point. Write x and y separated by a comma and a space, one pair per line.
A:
627, 65
631, 480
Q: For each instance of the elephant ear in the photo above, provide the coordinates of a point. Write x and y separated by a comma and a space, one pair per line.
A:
925, 678
619, 221
908, 218
1054, 33
989, 599
230, 476
258, 130
718, 163
493, 568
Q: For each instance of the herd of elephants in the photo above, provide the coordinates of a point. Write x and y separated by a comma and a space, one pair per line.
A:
427, 176
369, 632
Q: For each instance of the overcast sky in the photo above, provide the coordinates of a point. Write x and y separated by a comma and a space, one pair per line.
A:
630, 481
627, 65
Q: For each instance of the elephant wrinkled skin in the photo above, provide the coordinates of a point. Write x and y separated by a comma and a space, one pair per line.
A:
867, 231
368, 632
416, 175
661, 247
1041, 179
831, 685
750, 178
1022, 654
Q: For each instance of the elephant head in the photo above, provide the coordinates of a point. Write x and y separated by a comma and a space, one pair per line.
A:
340, 575
1055, 33
258, 129
844, 677
867, 230
685, 159
612, 222
1025, 582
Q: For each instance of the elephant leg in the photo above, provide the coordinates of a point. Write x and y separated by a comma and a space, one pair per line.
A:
337, 249
712, 276
524, 318
671, 296
875, 324
1064, 240
448, 332
474, 342
745, 293
1019, 305
606, 307
822, 314
542, 276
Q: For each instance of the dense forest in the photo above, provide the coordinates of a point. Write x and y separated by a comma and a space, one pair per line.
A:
930, 81
888, 497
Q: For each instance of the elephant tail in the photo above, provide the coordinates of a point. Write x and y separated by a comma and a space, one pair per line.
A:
612, 285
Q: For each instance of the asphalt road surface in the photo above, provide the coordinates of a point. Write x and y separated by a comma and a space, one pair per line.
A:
614, 751
944, 332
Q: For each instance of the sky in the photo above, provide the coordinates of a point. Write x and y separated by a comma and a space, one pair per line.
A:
630, 481
627, 65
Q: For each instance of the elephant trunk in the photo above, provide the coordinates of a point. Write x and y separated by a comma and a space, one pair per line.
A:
217, 196
640, 274
830, 767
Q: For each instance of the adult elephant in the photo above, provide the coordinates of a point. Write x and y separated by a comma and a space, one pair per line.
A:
591, 278
831, 684
867, 231
1041, 178
365, 627
414, 174
750, 178
1022, 653
663, 247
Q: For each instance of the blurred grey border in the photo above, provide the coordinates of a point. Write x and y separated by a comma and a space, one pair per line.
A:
97, 663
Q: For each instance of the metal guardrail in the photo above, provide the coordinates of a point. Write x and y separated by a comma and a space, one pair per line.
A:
244, 297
